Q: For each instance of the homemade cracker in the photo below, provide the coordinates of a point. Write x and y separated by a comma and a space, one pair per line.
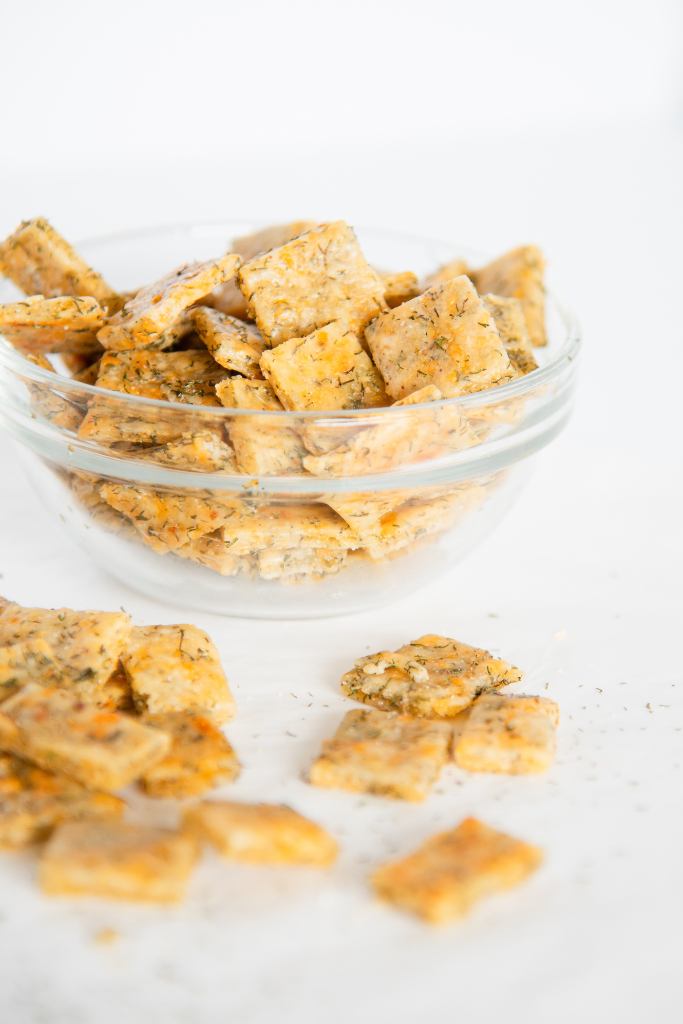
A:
432, 677
199, 759
293, 563
262, 447
384, 754
25, 661
188, 377
285, 527
145, 318
449, 873
260, 833
114, 860
47, 403
514, 735
519, 274
316, 278
39, 325
400, 287
445, 337
213, 552
508, 315
203, 452
419, 519
265, 239
454, 268
232, 343
62, 733
177, 668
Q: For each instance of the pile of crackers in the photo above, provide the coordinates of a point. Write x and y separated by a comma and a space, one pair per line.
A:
91, 704
292, 318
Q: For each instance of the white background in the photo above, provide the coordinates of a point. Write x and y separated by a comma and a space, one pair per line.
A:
490, 124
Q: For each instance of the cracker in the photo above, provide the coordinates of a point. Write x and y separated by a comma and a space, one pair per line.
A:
40, 325
432, 677
86, 490
308, 282
383, 753
363, 510
514, 735
85, 372
84, 646
287, 527
47, 403
203, 452
39, 261
327, 370
199, 759
214, 553
145, 318
232, 343
419, 519
400, 287
449, 873
177, 668
260, 833
228, 299
300, 562
262, 447
265, 239
25, 661
115, 694
445, 337
454, 268
33, 802
115, 860
519, 274
61, 732
508, 315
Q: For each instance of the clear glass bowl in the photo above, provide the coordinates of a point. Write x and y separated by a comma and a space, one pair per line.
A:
422, 485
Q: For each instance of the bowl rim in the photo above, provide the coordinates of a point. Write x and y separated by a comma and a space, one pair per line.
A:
567, 352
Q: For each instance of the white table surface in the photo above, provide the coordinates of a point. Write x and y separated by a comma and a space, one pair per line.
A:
580, 586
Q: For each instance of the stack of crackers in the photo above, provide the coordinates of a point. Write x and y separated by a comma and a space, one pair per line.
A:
292, 318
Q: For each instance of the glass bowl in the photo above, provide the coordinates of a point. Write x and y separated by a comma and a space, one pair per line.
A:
391, 499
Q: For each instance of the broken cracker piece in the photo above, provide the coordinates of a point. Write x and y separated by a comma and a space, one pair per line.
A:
510, 734
449, 873
232, 343
519, 274
199, 759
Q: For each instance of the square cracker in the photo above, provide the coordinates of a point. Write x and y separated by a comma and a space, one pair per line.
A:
400, 287
445, 336
115, 860
199, 759
519, 274
147, 317
33, 802
327, 370
212, 552
310, 281
383, 753
61, 732
262, 446
419, 519
203, 452
39, 261
514, 735
449, 873
233, 344
298, 563
288, 527
62, 324
177, 668
432, 677
25, 661
260, 833
508, 315
78, 649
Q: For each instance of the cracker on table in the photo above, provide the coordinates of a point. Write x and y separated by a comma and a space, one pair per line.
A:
63, 733
454, 268
508, 315
40, 262
260, 833
519, 274
327, 370
383, 753
400, 287
203, 452
147, 317
176, 668
200, 757
287, 527
310, 281
47, 403
265, 239
115, 860
64, 323
514, 735
84, 646
445, 337
262, 447
233, 344
448, 874
432, 677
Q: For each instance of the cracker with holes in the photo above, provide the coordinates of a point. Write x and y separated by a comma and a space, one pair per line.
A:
400, 287
147, 317
40, 262
383, 753
203, 452
115, 860
260, 833
311, 281
445, 337
200, 757
514, 735
262, 447
443, 879
33, 802
233, 344
63, 733
177, 668
508, 315
63, 324
432, 677
519, 274
288, 527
